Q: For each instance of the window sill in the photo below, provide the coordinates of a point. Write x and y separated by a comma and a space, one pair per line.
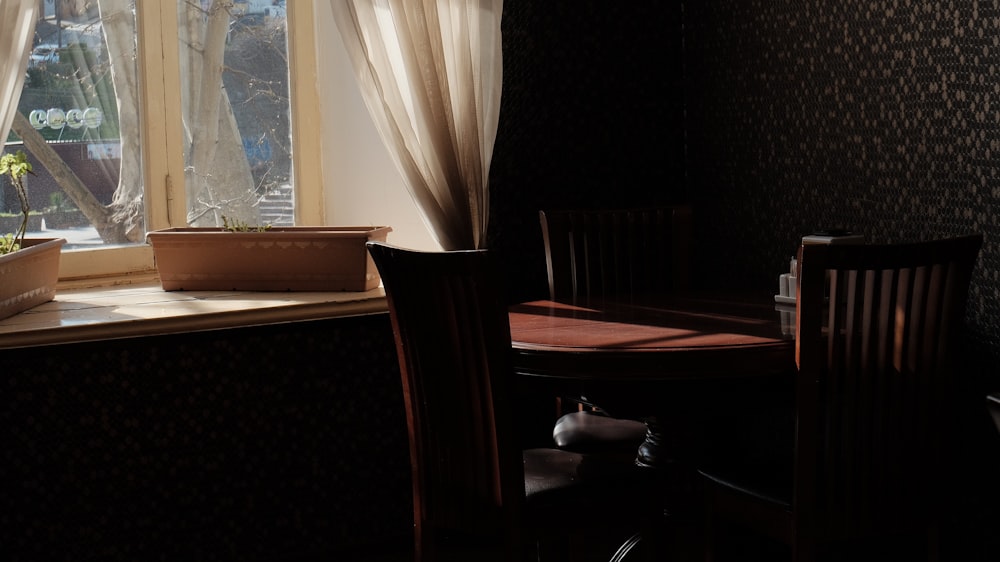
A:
89, 314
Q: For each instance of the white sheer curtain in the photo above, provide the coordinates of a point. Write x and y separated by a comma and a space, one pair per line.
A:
430, 72
17, 24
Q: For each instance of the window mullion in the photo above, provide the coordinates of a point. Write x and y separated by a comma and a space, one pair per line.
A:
307, 161
161, 124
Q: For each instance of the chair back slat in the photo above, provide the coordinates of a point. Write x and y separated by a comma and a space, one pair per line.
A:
876, 326
453, 342
618, 252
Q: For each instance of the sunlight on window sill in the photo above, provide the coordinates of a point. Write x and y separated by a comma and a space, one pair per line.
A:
145, 309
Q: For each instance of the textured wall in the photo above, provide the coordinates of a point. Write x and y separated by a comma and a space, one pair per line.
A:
879, 116
591, 116
285, 442
774, 118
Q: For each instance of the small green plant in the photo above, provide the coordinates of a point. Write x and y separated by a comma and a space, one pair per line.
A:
8, 244
16, 166
236, 225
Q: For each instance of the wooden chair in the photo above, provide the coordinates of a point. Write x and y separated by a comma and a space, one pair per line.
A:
875, 328
616, 253
476, 494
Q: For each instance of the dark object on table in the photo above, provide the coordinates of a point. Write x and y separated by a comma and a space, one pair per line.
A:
476, 494
605, 253
872, 389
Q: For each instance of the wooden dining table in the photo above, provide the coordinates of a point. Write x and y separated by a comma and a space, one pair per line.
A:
672, 361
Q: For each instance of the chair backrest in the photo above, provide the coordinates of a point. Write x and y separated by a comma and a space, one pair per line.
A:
875, 329
452, 337
617, 252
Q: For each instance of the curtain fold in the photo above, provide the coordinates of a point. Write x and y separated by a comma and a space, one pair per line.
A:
17, 25
430, 72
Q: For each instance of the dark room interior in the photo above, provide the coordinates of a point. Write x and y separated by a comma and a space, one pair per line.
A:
772, 119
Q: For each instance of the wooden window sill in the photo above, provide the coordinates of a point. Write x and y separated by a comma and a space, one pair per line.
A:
79, 315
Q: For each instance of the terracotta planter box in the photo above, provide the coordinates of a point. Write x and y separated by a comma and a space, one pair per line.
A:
28, 276
280, 259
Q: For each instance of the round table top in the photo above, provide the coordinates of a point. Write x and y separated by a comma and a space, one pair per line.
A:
667, 337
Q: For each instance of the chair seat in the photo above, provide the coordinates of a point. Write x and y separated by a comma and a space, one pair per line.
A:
592, 433
548, 472
563, 488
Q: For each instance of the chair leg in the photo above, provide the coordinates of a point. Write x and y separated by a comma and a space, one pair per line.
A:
655, 541
622, 554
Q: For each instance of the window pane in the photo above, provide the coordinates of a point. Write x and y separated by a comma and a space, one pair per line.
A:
72, 132
234, 75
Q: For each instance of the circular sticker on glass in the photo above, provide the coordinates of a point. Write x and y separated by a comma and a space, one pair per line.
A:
92, 117
56, 118
74, 118
37, 118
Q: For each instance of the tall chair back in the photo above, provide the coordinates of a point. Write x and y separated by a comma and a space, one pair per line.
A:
618, 252
876, 326
453, 340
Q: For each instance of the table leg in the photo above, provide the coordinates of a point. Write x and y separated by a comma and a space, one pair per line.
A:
652, 452
660, 448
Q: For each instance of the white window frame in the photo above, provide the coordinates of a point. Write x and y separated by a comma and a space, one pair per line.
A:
162, 141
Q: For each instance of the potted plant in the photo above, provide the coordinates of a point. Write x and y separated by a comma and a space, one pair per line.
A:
241, 257
29, 268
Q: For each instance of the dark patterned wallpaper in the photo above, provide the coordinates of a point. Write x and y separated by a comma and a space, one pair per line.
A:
879, 116
283, 442
773, 118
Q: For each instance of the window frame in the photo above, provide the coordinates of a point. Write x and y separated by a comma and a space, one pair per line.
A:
162, 141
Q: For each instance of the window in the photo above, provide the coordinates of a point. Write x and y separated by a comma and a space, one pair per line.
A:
151, 168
